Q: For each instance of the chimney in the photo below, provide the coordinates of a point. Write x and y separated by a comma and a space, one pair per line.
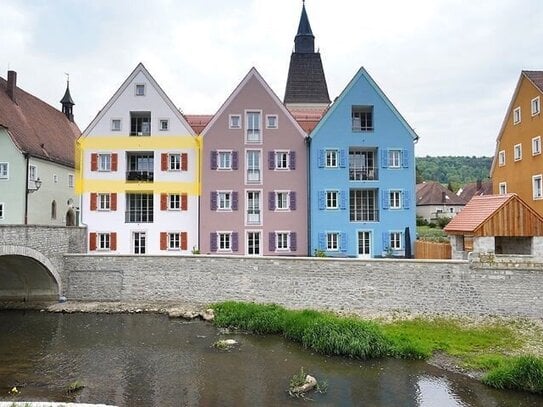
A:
443, 196
12, 83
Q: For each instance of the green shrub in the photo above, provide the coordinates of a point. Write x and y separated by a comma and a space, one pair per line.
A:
421, 221
443, 221
522, 373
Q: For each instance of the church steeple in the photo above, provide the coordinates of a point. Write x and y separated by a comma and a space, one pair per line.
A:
304, 42
67, 102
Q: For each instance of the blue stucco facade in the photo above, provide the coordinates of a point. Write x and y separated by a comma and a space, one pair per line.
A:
362, 175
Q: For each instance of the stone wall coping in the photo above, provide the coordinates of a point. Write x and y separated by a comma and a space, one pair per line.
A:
34, 226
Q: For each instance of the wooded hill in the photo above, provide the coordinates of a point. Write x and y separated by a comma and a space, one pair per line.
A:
453, 171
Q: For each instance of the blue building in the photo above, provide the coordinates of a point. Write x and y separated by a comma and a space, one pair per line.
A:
362, 176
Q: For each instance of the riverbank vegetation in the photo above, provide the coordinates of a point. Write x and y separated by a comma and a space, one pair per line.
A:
486, 347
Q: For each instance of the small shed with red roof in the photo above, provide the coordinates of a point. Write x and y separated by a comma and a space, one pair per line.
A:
499, 224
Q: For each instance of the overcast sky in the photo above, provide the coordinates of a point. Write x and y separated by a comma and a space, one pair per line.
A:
449, 66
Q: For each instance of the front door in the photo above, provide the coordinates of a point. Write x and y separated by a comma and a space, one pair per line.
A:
364, 244
139, 242
253, 243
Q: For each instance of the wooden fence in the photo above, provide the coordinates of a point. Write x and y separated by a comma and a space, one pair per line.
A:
432, 250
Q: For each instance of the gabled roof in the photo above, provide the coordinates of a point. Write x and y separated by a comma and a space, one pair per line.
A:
536, 77
433, 193
475, 189
253, 73
363, 73
308, 118
497, 215
36, 127
198, 122
122, 88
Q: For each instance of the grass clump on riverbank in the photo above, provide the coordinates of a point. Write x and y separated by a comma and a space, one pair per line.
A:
484, 347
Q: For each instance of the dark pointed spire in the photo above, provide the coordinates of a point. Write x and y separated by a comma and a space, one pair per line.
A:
67, 101
304, 42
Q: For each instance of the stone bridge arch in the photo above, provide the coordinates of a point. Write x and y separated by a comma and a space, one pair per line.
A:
27, 275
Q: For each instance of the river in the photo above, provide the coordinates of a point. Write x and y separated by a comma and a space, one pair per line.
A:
151, 360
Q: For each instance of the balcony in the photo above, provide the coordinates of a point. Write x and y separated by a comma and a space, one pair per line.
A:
140, 176
363, 174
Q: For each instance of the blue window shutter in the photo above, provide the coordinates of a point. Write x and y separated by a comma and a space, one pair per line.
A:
321, 159
405, 159
234, 160
292, 159
405, 199
213, 199
293, 242
234, 201
342, 158
386, 241
271, 201
385, 198
292, 200
213, 160
342, 199
322, 199
234, 242
322, 241
343, 244
213, 242
271, 241
384, 158
271, 160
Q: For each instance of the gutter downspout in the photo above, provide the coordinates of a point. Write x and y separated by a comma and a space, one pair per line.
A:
308, 154
27, 158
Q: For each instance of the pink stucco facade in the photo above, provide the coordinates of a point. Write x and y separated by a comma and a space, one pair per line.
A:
254, 176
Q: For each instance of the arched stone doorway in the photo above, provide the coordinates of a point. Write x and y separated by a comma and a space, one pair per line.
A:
70, 217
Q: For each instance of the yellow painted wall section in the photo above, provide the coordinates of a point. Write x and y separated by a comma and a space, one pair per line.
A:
518, 174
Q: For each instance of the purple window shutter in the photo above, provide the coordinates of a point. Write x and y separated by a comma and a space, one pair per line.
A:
213, 160
292, 159
235, 242
271, 201
271, 160
292, 200
234, 201
293, 243
272, 241
234, 160
213, 200
213, 242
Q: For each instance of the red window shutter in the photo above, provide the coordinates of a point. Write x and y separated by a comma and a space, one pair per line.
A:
113, 201
93, 200
113, 241
114, 161
164, 162
94, 162
184, 162
163, 202
92, 241
163, 241
184, 238
184, 202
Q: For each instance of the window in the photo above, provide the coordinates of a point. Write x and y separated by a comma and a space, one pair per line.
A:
502, 188
104, 162
2, 210
362, 165
394, 158
174, 202
395, 199
140, 123
517, 152
363, 205
516, 115
70, 181
536, 107
104, 241
253, 127
140, 89
174, 162
253, 167
4, 170
253, 207
281, 160
224, 201
282, 201
395, 240
537, 185
104, 202
115, 124
224, 160
362, 117
174, 241
332, 241
331, 158
225, 241
32, 173
139, 208
271, 121
234, 121
282, 241
332, 199
139, 240
140, 166
164, 124
536, 145
501, 158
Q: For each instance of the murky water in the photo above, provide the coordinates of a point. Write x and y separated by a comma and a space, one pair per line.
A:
150, 360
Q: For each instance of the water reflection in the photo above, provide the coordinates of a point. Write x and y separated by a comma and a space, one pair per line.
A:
150, 360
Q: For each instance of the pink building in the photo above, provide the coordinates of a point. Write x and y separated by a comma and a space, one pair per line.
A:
254, 176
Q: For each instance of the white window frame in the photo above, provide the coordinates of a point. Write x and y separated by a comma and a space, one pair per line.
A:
272, 121
103, 241
502, 188
2, 210
331, 197
227, 200
517, 152
252, 139
104, 202
501, 158
113, 122
161, 126
174, 162
536, 106
282, 160
174, 241
285, 240
536, 145
232, 119
220, 163
331, 158
139, 86
4, 170
32, 173
228, 239
70, 180
101, 167
332, 241
278, 195
174, 202
537, 192
394, 158
255, 170
395, 240
257, 207
395, 199
517, 118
